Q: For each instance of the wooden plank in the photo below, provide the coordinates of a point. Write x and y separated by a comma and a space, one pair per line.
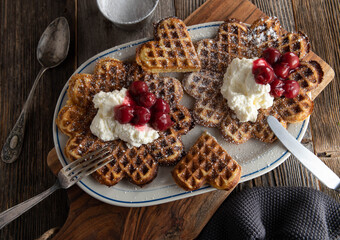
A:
325, 40
218, 10
92, 40
21, 24
184, 7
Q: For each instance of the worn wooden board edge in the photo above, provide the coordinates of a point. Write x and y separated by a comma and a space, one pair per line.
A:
220, 10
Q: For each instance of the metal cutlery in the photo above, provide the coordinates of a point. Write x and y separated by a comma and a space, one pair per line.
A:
306, 157
51, 51
67, 176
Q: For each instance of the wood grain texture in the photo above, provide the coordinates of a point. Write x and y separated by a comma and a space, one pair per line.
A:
21, 24
105, 34
325, 41
325, 121
184, 8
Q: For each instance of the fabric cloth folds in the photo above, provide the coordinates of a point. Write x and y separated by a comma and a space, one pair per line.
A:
275, 213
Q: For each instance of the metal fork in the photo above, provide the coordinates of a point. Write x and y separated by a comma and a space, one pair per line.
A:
67, 176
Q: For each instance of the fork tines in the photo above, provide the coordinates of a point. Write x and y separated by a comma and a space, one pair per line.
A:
88, 164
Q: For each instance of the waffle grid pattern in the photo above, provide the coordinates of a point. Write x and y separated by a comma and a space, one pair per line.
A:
138, 165
207, 162
240, 41
172, 50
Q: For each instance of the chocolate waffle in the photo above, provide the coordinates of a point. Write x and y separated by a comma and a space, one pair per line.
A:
236, 40
207, 162
138, 164
172, 50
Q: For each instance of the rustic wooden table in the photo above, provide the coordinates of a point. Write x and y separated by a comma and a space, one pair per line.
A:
21, 24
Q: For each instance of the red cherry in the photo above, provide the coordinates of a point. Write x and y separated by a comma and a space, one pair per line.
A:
264, 75
291, 88
291, 59
141, 116
147, 99
282, 70
138, 87
161, 121
128, 100
271, 55
123, 113
161, 106
276, 88
261, 62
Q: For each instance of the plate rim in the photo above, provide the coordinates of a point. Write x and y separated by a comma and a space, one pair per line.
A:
160, 200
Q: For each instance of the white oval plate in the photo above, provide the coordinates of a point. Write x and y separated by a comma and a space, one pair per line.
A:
255, 157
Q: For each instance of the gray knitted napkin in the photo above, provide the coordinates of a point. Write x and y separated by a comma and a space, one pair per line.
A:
275, 213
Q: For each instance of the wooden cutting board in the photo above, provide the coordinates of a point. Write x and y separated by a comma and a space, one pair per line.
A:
183, 219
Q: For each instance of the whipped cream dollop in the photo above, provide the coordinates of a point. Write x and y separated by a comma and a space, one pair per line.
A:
105, 127
243, 94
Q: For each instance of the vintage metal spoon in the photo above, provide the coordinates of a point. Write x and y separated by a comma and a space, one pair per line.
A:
52, 50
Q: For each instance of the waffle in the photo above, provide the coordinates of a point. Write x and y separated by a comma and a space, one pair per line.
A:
210, 106
138, 165
170, 89
231, 42
110, 74
136, 73
267, 32
207, 162
264, 33
135, 164
172, 50
235, 39
73, 119
168, 148
80, 90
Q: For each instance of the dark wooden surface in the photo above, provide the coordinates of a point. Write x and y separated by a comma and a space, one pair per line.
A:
21, 24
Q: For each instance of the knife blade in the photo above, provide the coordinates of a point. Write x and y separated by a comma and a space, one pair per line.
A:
306, 157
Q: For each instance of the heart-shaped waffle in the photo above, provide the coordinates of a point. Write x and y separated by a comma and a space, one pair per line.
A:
237, 40
207, 162
138, 164
171, 51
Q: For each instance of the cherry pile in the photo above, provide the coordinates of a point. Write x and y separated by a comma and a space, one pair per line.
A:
274, 69
141, 107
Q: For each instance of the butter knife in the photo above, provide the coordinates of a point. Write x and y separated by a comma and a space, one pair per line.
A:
306, 157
